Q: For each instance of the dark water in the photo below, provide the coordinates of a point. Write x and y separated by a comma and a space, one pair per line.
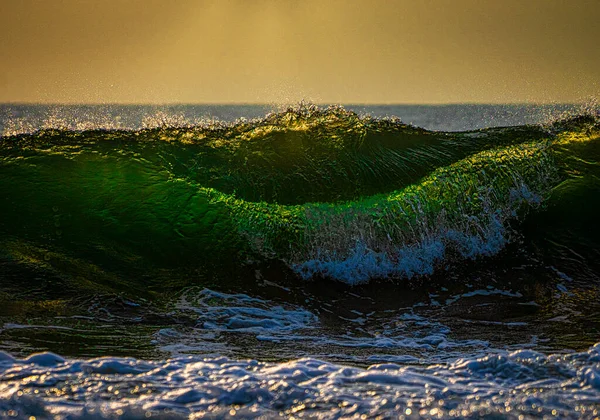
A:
318, 262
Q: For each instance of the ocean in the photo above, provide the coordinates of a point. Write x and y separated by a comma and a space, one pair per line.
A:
262, 261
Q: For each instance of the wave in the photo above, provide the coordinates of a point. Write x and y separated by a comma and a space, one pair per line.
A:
321, 193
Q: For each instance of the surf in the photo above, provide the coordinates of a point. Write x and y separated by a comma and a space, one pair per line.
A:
322, 193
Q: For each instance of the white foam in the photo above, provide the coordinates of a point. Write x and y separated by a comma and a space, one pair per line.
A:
354, 243
483, 292
502, 384
223, 319
240, 312
362, 263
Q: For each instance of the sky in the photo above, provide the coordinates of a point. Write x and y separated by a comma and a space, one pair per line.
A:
324, 51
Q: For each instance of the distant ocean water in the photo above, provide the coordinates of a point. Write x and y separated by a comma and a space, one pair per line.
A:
457, 117
306, 261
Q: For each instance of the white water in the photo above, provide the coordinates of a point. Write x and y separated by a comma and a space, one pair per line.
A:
504, 384
228, 322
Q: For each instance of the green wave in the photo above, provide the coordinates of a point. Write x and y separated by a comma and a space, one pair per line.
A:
328, 193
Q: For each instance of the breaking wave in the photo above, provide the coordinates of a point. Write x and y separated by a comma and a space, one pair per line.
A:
320, 193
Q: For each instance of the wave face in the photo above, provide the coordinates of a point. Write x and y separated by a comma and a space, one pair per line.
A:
324, 193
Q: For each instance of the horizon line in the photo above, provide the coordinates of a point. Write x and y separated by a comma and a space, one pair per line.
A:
283, 104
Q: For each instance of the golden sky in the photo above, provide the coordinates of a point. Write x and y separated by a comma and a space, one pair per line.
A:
347, 51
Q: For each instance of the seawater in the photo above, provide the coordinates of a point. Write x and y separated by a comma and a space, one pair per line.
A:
156, 263
456, 117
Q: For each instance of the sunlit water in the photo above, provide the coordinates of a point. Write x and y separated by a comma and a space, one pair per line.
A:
512, 339
25, 118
